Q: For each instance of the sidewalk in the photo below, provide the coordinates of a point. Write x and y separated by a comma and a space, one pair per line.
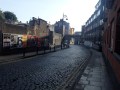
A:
95, 76
16, 57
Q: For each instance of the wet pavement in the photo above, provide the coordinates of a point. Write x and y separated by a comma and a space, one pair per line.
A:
95, 76
44, 72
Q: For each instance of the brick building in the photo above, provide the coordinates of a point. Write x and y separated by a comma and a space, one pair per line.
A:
38, 27
111, 43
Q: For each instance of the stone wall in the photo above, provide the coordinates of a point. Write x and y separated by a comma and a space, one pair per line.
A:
43, 29
39, 27
1, 27
15, 29
55, 38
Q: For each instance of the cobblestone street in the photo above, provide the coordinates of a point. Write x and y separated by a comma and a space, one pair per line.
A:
43, 72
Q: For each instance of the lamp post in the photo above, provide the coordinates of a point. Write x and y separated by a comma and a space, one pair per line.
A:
64, 17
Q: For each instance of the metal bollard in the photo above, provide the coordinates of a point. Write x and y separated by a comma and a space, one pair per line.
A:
44, 50
50, 49
37, 51
24, 49
61, 46
54, 48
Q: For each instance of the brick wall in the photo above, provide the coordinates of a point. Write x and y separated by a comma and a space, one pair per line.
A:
10, 28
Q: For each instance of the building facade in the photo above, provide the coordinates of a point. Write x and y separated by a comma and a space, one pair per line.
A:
62, 27
71, 32
1, 28
111, 39
14, 28
77, 33
13, 36
52, 27
54, 38
38, 27
82, 33
94, 26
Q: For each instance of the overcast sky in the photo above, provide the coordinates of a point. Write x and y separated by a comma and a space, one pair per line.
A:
77, 11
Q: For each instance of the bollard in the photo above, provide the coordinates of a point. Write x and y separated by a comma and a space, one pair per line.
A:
54, 48
61, 46
50, 49
24, 49
37, 51
68, 46
44, 50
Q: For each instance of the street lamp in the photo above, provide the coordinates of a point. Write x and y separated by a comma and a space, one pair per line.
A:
64, 17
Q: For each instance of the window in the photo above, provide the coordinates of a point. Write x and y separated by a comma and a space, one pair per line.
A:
0, 26
98, 12
98, 4
101, 22
95, 15
112, 33
117, 43
103, 8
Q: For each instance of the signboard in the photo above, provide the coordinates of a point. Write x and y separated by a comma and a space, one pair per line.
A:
6, 40
24, 40
14, 40
19, 43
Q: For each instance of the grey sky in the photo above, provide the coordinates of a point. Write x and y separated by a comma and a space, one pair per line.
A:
78, 11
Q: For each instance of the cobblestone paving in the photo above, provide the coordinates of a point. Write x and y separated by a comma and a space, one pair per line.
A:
45, 72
